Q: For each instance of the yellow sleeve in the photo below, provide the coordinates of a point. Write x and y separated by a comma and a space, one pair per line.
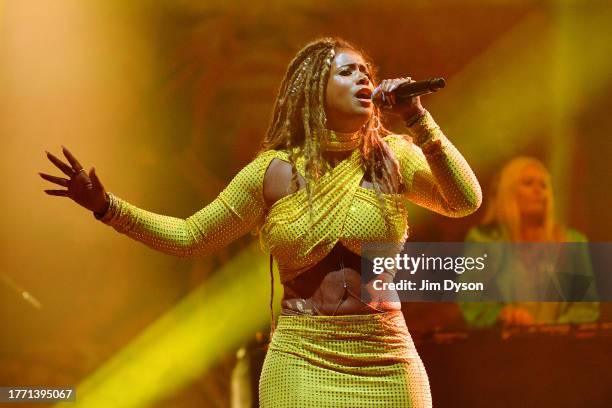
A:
237, 209
436, 176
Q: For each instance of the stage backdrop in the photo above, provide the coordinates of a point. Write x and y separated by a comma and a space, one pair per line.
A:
170, 99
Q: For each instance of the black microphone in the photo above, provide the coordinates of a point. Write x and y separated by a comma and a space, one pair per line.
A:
408, 90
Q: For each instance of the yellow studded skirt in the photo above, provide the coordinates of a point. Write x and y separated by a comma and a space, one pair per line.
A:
343, 361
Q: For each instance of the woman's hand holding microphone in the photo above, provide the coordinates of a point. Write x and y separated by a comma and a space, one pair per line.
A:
407, 109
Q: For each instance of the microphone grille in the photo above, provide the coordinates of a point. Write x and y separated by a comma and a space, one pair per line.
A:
437, 83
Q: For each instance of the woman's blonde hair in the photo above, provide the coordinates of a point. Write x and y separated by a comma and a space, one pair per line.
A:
503, 208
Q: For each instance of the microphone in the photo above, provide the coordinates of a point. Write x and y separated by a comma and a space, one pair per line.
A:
408, 90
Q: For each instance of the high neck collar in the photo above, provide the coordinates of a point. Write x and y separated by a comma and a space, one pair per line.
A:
333, 141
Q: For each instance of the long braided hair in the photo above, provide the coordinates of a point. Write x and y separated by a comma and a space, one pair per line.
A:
299, 120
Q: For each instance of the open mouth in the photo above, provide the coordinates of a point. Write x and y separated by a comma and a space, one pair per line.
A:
364, 94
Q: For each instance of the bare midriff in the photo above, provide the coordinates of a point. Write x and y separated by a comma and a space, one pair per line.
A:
333, 287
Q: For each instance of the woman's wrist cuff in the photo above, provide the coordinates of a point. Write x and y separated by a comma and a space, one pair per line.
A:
105, 216
424, 131
412, 119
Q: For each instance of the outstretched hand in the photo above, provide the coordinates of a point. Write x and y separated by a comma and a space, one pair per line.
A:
85, 189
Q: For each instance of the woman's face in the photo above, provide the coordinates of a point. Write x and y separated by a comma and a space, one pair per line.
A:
533, 192
349, 88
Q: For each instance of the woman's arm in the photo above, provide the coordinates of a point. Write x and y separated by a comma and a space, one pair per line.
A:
435, 174
236, 210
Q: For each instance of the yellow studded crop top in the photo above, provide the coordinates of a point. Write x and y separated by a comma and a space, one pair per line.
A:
343, 211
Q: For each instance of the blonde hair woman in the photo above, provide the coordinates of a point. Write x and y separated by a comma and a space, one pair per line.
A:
521, 209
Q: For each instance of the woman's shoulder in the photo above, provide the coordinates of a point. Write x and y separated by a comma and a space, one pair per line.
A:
270, 154
485, 233
263, 158
264, 161
572, 235
273, 153
252, 174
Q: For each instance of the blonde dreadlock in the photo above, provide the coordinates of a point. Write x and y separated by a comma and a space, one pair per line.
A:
299, 119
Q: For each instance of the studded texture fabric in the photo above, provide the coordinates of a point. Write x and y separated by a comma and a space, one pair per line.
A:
440, 180
238, 209
343, 361
325, 361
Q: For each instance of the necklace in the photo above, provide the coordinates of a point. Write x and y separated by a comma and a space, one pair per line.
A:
333, 141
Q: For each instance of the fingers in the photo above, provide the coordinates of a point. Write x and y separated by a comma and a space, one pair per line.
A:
57, 180
67, 170
61, 193
95, 180
73, 161
389, 85
398, 81
523, 317
516, 317
388, 98
386, 85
